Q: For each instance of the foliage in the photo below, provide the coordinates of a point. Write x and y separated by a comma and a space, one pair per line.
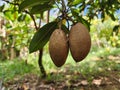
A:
103, 33
20, 31
10, 69
71, 10
94, 8
42, 36
115, 40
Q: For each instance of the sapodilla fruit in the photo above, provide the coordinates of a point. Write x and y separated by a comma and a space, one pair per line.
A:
79, 42
58, 47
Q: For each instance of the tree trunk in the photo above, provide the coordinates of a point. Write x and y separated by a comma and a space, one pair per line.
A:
12, 53
3, 54
43, 72
12, 49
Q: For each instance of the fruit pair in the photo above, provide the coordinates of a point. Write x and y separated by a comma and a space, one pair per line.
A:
79, 44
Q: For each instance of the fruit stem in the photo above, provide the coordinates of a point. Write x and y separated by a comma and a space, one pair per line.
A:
60, 24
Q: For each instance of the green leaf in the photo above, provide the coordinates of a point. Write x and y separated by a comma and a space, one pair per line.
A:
40, 8
8, 14
74, 12
116, 28
76, 2
112, 16
79, 18
30, 3
65, 29
85, 22
1, 8
42, 36
103, 15
22, 17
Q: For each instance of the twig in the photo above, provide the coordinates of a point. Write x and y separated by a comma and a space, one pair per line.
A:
70, 18
39, 23
48, 16
118, 80
63, 5
34, 21
33, 18
58, 6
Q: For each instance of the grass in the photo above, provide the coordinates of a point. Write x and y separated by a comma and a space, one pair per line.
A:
88, 68
104, 52
10, 69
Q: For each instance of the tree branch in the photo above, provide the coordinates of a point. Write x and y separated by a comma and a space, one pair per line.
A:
39, 23
58, 6
63, 5
33, 18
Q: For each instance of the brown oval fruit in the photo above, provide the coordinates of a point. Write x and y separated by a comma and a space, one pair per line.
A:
79, 42
58, 47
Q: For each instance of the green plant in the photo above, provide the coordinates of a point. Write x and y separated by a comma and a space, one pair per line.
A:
11, 69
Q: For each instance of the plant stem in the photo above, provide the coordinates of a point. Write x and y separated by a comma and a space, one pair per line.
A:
63, 5
58, 6
48, 15
40, 63
33, 18
42, 70
41, 54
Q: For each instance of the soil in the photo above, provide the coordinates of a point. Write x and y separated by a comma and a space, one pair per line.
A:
34, 82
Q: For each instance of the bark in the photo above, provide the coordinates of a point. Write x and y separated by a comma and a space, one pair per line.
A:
12, 49
3, 54
12, 53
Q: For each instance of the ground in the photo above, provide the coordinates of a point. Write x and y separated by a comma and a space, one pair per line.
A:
70, 81
97, 73
32, 82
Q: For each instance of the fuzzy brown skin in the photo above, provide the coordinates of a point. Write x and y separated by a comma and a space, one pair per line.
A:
79, 42
58, 47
